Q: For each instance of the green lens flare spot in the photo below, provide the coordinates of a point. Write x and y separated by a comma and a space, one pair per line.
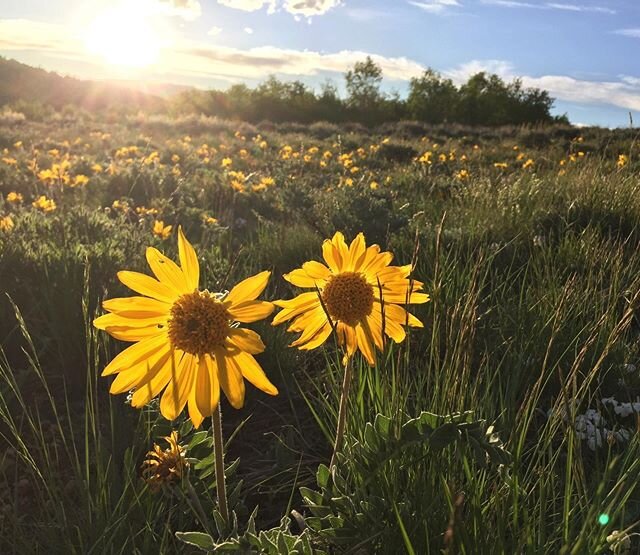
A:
603, 519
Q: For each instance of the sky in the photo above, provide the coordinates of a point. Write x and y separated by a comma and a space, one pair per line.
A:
584, 52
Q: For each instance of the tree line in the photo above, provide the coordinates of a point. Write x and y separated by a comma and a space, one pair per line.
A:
485, 99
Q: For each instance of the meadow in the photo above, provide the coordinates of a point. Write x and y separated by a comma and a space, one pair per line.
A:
507, 424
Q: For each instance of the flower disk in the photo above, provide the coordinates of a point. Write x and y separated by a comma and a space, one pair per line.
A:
348, 297
198, 323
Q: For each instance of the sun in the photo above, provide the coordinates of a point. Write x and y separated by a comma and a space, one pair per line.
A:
124, 35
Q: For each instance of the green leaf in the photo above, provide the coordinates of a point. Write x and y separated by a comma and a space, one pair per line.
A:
197, 539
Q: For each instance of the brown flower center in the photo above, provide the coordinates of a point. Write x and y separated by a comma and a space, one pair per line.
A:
348, 297
199, 322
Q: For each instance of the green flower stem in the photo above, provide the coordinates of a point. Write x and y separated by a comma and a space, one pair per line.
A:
342, 412
218, 449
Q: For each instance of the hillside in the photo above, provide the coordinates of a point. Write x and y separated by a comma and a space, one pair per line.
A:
21, 82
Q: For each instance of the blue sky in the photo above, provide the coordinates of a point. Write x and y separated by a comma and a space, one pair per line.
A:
583, 52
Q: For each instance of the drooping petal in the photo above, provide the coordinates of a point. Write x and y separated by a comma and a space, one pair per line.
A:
246, 340
135, 353
188, 261
309, 326
230, 378
207, 388
147, 286
157, 380
251, 371
318, 338
401, 316
139, 373
176, 395
365, 344
133, 334
167, 271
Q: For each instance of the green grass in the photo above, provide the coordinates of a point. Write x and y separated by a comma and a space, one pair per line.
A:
535, 285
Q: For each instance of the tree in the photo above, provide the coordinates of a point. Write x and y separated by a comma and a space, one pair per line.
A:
432, 98
363, 85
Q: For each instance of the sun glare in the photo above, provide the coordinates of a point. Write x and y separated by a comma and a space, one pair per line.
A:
124, 36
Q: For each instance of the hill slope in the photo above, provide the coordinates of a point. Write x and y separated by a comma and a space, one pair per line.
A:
19, 81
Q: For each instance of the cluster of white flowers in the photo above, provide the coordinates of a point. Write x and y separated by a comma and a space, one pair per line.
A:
622, 409
594, 428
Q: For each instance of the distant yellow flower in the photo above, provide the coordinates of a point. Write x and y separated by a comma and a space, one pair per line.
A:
161, 230
462, 175
162, 468
79, 181
96, 168
357, 294
210, 220
226, 162
175, 158
623, 160
144, 211
187, 342
6, 223
14, 198
373, 185
501, 165
267, 181
528, 164
425, 158
10, 161
45, 204
442, 158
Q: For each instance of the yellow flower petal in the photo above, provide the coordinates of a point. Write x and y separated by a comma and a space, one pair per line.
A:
207, 390
248, 289
136, 353
188, 261
176, 395
250, 311
365, 344
156, 380
230, 379
167, 271
246, 340
139, 373
137, 307
146, 285
357, 251
296, 306
252, 372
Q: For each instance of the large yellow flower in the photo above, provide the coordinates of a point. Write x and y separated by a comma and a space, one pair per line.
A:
357, 293
187, 340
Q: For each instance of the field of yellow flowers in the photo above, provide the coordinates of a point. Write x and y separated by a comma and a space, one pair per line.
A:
286, 339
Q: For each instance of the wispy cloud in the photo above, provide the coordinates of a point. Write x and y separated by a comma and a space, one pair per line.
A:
549, 6
435, 6
634, 33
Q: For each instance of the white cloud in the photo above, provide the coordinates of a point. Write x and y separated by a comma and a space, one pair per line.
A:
549, 6
186, 9
248, 5
435, 6
306, 8
248, 30
309, 8
624, 93
214, 31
